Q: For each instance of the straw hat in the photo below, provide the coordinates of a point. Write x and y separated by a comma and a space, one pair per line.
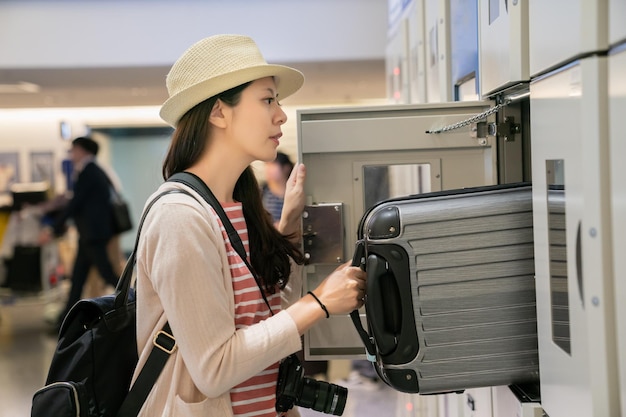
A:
216, 64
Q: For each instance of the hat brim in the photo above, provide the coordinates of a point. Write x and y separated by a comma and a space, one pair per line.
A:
288, 81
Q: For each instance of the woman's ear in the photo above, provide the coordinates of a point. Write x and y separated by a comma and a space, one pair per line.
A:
216, 117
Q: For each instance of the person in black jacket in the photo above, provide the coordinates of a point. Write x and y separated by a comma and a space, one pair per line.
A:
90, 209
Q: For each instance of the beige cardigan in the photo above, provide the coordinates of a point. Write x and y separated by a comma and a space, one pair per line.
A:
183, 276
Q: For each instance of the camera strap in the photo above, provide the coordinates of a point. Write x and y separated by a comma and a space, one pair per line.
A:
195, 183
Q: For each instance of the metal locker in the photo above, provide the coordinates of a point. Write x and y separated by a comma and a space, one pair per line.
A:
617, 146
464, 50
502, 44
417, 52
396, 61
563, 30
507, 403
438, 65
443, 38
617, 29
572, 240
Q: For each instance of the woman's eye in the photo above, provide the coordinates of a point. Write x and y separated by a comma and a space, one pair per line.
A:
270, 100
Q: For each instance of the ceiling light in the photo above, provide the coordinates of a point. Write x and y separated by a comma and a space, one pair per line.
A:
21, 87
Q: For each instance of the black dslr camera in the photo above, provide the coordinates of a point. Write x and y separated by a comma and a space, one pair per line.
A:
294, 388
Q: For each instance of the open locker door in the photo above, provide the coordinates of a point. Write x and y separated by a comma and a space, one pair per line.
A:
358, 156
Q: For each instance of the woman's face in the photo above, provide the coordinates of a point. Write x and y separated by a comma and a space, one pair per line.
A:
255, 122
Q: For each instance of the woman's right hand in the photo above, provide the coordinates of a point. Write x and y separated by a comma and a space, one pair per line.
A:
343, 290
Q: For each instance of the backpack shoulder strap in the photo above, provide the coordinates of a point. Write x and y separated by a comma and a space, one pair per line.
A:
164, 343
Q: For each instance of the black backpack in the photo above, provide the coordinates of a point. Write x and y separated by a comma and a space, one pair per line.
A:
96, 355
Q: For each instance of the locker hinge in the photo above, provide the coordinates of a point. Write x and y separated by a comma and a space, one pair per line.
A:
480, 129
507, 129
472, 121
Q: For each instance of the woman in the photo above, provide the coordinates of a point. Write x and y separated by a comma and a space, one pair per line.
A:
223, 102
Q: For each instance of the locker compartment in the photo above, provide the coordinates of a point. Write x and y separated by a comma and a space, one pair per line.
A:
438, 51
417, 52
358, 156
451, 34
617, 29
442, 37
565, 30
397, 64
463, 79
503, 44
617, 146
571, 234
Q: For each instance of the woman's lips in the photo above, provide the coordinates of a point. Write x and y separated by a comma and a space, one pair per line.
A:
276, 138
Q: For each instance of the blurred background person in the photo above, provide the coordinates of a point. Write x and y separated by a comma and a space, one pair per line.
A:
273, 189
90, 210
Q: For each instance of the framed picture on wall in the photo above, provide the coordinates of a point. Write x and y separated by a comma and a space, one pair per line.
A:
9, 170
42, 167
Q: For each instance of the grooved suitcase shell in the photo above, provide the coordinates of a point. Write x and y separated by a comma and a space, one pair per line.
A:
471, 266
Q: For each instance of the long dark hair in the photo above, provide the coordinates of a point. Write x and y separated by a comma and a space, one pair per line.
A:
269, 249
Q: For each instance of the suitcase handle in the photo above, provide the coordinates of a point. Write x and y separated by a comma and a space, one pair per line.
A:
358, 259
389, 304
384, 304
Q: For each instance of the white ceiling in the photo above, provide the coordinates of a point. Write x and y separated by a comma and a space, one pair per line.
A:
326, 82
86, 53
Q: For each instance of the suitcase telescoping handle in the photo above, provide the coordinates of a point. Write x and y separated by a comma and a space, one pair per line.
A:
358, 259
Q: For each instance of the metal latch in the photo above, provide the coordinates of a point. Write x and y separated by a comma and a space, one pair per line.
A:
323, 233
479, 130
507, 129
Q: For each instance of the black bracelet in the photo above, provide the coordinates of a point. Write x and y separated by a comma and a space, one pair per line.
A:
320, 303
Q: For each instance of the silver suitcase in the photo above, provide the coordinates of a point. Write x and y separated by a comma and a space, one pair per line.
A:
451, 293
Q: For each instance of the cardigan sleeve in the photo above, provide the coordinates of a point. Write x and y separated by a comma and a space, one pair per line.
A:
187, 266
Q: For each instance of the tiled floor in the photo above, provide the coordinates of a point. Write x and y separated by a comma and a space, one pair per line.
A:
26, 348
25, 353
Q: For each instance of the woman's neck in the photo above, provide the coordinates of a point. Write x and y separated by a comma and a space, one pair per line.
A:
219, 174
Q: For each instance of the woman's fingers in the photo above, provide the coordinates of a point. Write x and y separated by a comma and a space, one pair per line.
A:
297, 175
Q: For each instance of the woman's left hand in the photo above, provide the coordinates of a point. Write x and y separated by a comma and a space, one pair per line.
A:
293, 204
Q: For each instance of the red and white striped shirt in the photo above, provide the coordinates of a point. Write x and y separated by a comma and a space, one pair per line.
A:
256, 396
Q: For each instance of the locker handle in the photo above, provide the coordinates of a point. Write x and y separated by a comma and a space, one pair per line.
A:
579, 264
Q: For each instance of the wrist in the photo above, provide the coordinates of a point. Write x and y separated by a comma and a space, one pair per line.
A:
290, 229
305, 313
321, 305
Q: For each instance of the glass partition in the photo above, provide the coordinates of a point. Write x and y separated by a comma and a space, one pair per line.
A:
381, 182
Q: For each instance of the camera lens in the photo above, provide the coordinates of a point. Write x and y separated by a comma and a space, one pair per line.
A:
323, 396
